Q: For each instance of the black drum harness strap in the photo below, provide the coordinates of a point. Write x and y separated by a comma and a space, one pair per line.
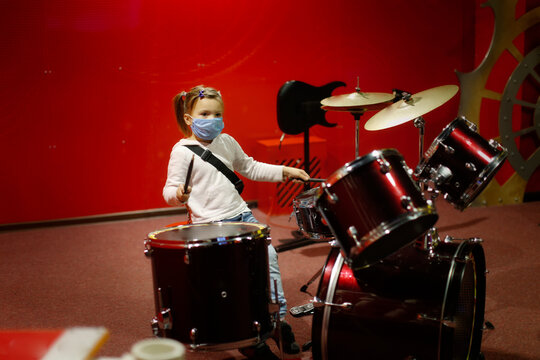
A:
207, 156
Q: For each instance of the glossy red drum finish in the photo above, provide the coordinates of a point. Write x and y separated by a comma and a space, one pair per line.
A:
373, 207
460, 163
409, 306
211, 284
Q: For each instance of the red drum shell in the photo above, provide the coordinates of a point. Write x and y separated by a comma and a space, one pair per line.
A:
472, 160
411, 305
213, 278
373, 207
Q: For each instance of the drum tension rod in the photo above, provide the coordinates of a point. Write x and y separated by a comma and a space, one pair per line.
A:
384, 165
331, 197
353, 233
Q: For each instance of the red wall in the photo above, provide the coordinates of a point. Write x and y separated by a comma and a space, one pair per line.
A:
85, 102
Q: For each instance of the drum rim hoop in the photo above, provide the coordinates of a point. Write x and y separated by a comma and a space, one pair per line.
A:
349, 167
481, 181
299, 199
461, 251
234, 344
262, 231
386, 227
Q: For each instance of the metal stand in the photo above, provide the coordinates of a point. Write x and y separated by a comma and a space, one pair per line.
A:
299, 240
278, 323
310, 281
307, 159
356, 116
419, 123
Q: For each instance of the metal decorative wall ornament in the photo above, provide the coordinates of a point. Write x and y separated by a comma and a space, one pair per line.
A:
473, 89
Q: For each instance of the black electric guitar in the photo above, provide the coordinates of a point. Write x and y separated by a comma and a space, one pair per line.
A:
299, 106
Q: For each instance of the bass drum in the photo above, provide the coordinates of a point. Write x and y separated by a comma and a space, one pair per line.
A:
211, 284
418, 303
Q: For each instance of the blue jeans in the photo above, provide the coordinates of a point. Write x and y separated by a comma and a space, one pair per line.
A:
275, 274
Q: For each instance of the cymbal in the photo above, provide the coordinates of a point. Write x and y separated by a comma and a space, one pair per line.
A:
357, 102
404, 110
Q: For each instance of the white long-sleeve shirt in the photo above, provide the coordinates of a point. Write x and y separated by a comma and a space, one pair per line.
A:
213, 196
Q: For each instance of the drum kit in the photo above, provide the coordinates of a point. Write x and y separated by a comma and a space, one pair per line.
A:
390, 287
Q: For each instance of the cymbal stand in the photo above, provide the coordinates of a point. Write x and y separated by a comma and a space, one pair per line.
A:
356, 115
419, 123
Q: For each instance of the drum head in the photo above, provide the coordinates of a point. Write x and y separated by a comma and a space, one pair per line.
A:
206, 233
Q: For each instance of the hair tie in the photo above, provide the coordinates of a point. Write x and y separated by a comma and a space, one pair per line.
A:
201, 94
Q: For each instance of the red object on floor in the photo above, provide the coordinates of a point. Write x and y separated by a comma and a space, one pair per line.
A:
26, 344
76, 343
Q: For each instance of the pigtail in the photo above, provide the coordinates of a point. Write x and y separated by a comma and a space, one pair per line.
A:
179, 106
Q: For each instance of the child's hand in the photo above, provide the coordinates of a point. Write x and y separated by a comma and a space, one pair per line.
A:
296, 175
180, 195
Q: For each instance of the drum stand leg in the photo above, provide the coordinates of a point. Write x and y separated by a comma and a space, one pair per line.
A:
313, 278
278, 323
298, 241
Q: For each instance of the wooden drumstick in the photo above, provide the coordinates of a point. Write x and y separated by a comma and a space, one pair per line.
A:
188, 176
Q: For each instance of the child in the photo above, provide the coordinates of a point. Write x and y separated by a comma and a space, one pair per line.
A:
212, 196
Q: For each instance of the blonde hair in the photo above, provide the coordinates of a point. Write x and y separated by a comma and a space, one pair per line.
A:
184, 102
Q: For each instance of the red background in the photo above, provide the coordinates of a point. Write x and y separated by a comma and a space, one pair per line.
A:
85, 101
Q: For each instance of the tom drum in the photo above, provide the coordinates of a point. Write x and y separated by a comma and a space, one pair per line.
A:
460, 163
373, 207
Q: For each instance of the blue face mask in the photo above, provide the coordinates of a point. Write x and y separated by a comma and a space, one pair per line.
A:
207, 129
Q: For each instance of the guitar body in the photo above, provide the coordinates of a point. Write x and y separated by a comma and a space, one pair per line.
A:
299, 106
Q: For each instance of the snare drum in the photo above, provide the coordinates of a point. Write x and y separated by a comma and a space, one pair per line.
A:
460, 163
308, 218
414, 304
373, 207
211, 284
